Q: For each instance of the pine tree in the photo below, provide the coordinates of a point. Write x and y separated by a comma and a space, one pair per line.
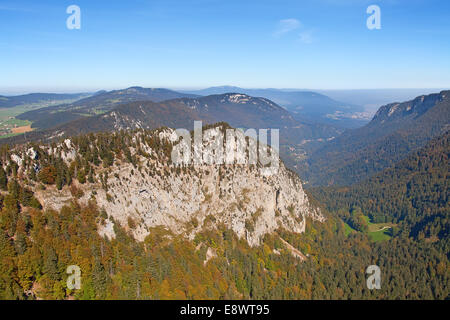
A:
51, 263
99, 278
3, 178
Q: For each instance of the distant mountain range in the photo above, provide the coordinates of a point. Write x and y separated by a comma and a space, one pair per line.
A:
93, 114
33, 98
304, 105
396, 130
322, 154
341, 108
98, 103
238, 110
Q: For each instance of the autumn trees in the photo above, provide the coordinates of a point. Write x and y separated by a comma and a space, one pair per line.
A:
37, 246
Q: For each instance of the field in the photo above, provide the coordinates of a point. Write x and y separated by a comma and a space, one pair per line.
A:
376, 231
10, 126
22, 129
348, 229
380, 235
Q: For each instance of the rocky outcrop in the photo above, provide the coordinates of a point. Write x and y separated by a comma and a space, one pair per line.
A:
186, 199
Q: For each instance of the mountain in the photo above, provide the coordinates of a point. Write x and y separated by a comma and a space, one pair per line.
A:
297, 136
37, 98
132, 175
134, 115
156, 195
236, 109
372, 99
396, 130
241, 110
304, 105
101, 102
139, 227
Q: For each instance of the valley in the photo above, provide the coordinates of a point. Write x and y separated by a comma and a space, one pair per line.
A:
375, 231
105, 181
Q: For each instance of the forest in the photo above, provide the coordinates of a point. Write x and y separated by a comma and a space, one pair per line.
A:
37, 245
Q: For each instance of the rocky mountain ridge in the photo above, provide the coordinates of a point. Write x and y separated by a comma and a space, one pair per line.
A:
141, 189
409, 109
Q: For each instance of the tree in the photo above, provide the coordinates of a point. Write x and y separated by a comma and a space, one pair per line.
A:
3, 178
48, 175
7, 267
51, 263
99, 278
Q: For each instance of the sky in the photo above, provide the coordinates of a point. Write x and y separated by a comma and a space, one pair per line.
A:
305, 44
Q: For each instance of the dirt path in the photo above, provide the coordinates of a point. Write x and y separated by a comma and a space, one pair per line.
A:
386, 227
295, 252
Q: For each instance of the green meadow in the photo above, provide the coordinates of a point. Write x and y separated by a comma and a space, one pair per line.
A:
376, 231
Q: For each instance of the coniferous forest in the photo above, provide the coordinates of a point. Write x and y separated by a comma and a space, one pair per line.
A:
37, 245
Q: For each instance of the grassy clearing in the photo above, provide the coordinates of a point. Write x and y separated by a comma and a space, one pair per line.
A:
11, 126
376, 231
348, 229
381, 235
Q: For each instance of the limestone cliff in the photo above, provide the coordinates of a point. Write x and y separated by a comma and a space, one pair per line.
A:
151, 191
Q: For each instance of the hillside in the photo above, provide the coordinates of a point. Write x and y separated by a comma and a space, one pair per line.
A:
140, 228
414, 194
134, 115
372, 99
102, 102
39, 98
243, 111
240, 111
396, 130
128, 177
303, 105
147, 187
12, 106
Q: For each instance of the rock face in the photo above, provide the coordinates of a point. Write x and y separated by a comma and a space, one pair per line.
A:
154, 192
410, 109
250, 204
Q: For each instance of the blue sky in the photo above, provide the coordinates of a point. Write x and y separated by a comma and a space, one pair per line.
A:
315, 44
